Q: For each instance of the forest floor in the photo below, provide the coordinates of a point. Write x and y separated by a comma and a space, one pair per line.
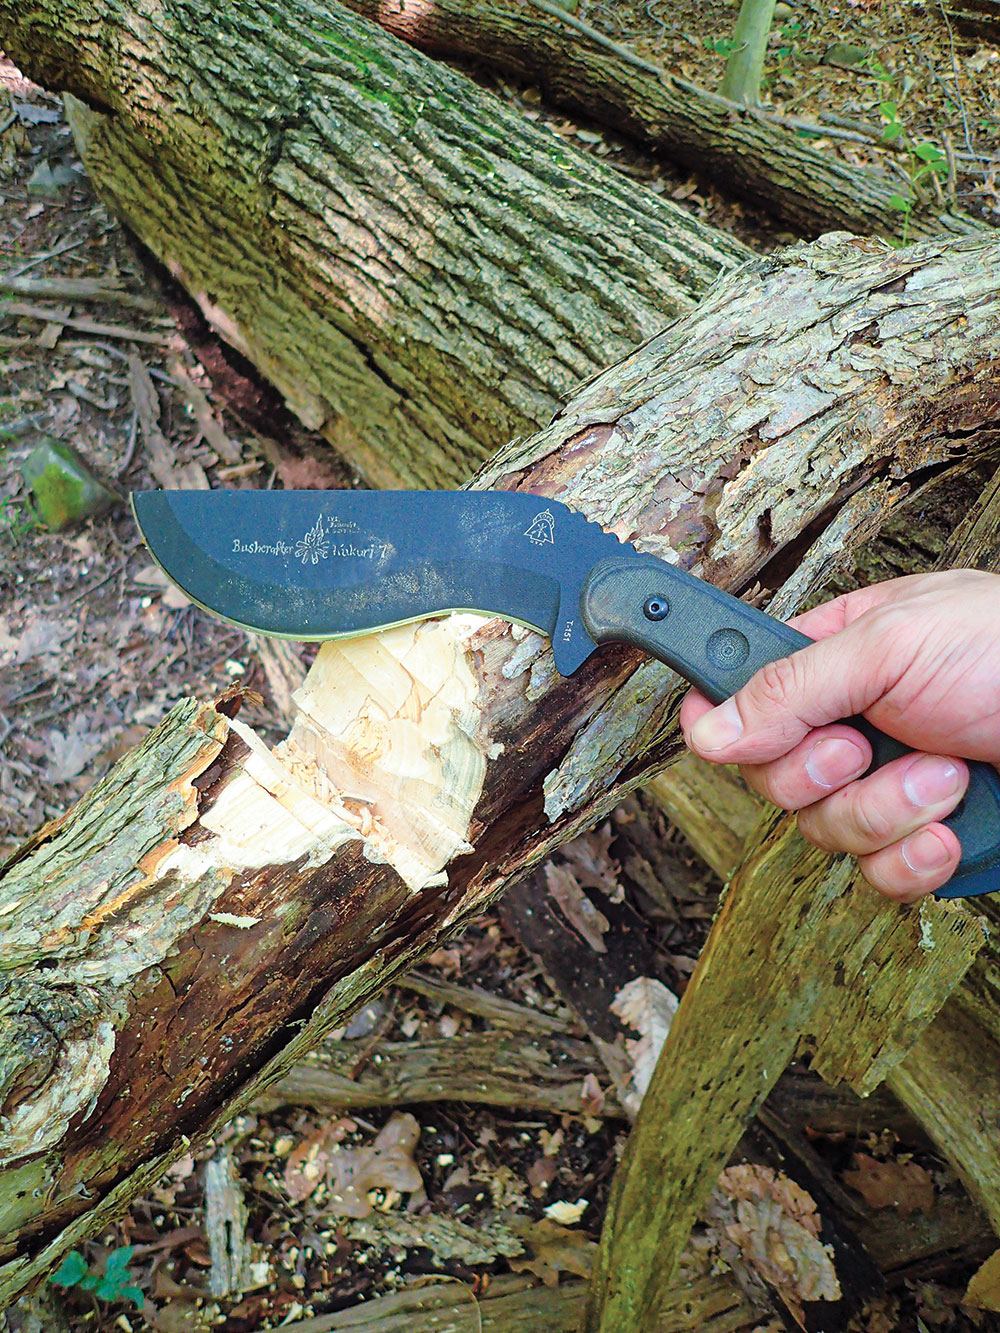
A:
95, 647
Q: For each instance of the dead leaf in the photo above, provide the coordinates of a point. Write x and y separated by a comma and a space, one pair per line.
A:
554, 1250
576, 907
983, 1291
71, 751
592, 863
775, 1227
307, 1163
646, 1005
151, 576
386, 1165
892, 1184
40, 637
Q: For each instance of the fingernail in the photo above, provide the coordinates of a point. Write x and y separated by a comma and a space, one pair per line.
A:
930, 780
924, 851
833, 760
719, 728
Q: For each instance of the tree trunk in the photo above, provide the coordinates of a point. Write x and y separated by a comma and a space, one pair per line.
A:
752, 153
745, 65
196, 923
422, 273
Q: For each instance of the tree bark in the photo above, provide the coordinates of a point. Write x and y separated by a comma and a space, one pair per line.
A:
186, 932
754, 154
421, 272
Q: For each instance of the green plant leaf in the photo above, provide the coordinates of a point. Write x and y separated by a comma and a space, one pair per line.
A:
928, 152
889, 110
899, 203
892, 131
134, 1295
73, 1267
116, 1267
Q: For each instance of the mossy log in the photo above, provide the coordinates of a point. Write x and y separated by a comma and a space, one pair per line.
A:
748, 151
196, 923
950, 1079
422, 272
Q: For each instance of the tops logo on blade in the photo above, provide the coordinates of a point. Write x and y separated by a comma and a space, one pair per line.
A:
317, 545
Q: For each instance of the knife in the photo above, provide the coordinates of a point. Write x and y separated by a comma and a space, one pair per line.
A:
313, 565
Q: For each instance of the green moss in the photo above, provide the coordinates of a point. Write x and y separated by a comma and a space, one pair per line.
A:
64, 488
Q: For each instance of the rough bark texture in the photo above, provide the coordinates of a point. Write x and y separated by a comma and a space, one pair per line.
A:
420, 271
950, 1080
746, 152
194, 925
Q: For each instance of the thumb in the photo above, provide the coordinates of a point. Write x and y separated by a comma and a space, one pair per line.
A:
825, 682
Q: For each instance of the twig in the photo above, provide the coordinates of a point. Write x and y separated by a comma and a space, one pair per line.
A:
24, 310
74, 289
475, 1001
59, 250
954, 70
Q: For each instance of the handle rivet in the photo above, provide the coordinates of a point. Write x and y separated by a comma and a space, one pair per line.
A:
655, 608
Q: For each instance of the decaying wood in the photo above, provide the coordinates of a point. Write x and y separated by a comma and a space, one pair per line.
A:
799, 954
420, 271
526, 1073
194, 925
747, 150
475, 1000
226, 1226
514, 1304
712, 806
858, 990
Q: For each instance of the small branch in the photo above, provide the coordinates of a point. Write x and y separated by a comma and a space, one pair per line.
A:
74, 289
23, 310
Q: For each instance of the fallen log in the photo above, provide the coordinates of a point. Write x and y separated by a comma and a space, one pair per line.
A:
421, 272
855, 989
950, 1079
183, 935
752, 152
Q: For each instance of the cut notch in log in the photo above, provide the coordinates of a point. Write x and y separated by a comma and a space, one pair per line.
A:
172, 961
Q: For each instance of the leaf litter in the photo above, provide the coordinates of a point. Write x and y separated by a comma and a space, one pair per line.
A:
94, 646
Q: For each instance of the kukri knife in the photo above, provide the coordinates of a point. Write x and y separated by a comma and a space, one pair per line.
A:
313, 565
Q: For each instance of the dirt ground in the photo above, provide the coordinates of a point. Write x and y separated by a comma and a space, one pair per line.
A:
95, 647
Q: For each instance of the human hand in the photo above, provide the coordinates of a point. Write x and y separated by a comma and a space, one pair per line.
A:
920, 658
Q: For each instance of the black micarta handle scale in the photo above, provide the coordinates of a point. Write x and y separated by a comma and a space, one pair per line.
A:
717, 642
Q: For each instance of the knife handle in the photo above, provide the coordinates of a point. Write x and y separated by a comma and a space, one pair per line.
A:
718, 643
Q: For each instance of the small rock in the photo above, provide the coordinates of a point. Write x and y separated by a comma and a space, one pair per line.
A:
782, 12
48, 181
64, 488
845, 53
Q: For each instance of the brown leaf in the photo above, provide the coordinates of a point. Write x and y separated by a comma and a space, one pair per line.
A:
775, 1226
387, 1164
983, 1291
576, 907
554, 1250
307, 1163
893, 1184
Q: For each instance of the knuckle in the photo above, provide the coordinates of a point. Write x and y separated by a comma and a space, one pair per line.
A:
777, 682
871, 824
815, 832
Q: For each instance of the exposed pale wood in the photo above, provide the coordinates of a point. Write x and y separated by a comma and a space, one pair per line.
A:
748, 153
191, 929
486, 1068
